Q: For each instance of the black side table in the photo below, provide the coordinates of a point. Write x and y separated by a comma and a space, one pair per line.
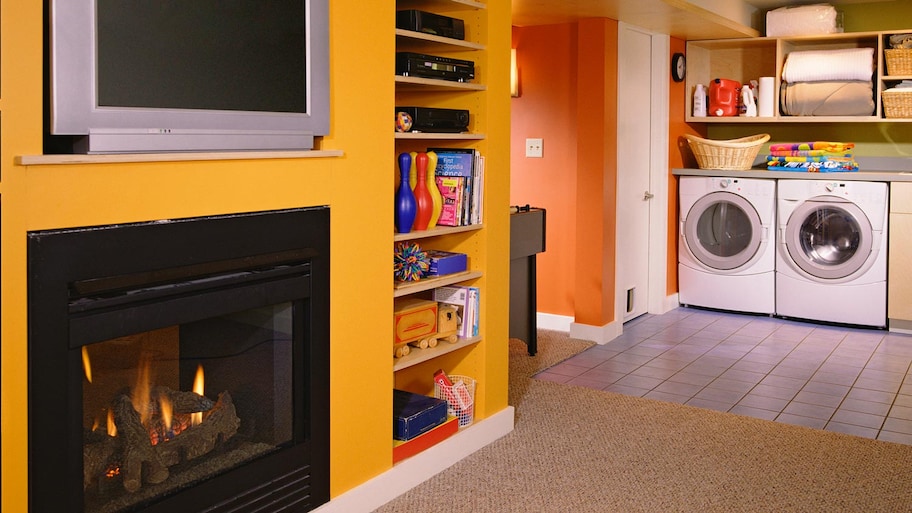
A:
527, 239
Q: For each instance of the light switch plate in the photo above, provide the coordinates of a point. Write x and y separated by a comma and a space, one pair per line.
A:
534, 148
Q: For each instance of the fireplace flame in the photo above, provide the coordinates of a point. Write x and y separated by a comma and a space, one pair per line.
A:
112, 427
166, 408
86, 363
141, 395
198, 388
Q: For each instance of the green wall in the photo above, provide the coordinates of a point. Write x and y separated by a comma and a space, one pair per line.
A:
887, 139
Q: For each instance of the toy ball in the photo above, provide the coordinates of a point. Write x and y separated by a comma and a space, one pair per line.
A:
403, 121
410, 262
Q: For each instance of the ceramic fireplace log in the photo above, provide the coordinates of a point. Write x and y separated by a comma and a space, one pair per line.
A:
219, 424
96, 459
137, 448
184, 402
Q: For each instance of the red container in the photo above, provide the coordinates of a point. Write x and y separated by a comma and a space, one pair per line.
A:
723, 97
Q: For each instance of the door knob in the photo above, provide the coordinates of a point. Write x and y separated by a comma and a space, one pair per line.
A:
647, 195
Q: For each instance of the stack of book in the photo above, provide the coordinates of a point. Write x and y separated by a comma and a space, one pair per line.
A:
466, 300
460, 179
419, 421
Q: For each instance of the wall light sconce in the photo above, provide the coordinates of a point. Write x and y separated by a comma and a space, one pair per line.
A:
514, 75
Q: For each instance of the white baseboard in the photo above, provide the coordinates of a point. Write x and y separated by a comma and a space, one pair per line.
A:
413, 471
597, 334
553, 322
671, 302
900, 326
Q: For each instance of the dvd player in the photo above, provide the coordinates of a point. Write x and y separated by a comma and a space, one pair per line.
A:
432, 66
427, 119
430, 23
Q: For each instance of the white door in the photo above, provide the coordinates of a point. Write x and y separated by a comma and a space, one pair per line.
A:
635, 56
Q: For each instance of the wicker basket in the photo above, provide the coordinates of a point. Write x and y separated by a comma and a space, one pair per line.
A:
733, 154
899, 61
897, 104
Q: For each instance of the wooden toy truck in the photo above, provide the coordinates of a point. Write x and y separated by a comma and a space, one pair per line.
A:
422, 323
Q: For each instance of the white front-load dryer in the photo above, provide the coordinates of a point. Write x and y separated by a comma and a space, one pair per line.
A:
726, 258
831, 262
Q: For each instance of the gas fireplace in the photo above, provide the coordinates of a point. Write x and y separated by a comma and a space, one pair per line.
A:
180, 365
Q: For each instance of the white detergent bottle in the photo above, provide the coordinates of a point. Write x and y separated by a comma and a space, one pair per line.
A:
699, 102
750, 105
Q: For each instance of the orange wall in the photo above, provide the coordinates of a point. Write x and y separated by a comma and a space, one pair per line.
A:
568, 77
679, 155
596, 188
546, 108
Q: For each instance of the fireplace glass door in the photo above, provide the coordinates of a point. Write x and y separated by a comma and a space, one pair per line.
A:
168, 407
180, 366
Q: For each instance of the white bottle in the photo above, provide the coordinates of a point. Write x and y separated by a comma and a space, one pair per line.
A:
699, 102
750, 104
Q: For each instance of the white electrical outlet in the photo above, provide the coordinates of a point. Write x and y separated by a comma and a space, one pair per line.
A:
534, 148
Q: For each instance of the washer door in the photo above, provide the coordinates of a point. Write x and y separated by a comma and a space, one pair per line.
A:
828, 237
723, 231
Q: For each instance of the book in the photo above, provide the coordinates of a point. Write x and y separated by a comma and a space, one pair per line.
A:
450, 188
458, 162
414, 414
446, 262
478, 190
474, 294
403, 449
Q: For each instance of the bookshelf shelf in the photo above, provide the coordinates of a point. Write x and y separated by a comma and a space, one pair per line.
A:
429, 136
410, 38
423, 355
430, 84
413, 287
437, 231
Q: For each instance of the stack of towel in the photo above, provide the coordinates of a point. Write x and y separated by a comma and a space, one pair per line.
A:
905, 85
812, 157
828, 83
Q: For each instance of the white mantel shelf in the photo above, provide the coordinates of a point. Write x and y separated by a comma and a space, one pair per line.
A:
37, 160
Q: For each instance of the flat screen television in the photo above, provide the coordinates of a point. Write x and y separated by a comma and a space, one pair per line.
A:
137, 76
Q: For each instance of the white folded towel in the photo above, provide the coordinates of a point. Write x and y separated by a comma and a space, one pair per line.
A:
905, 85
820, 65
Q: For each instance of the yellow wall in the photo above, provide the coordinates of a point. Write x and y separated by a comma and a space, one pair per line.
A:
53, 196
357, 187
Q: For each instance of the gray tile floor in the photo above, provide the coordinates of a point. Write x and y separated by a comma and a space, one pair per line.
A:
850, 380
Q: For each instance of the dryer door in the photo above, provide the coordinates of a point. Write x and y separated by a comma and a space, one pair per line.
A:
828, 237
723, 231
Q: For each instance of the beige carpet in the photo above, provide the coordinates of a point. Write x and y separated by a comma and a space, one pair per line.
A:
579, 450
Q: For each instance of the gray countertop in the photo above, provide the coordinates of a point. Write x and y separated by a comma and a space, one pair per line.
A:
867, 176
871, 169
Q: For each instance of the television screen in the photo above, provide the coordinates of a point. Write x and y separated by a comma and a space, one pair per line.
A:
178, 75
204, 54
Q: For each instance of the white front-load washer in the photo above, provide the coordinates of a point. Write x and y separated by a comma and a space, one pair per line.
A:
726, 258
831, 262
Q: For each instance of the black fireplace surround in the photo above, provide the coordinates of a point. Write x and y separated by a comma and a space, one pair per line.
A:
245, 296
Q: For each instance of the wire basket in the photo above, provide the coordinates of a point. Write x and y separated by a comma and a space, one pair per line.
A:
899, 61
460, 398
897, 104
734, 154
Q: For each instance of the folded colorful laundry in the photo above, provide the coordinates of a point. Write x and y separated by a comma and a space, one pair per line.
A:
813, 145
774, 158
813, 167
810, 153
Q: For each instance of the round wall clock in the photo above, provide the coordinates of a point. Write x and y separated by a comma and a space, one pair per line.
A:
678, 66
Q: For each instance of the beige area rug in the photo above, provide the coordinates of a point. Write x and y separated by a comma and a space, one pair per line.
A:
580, 450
